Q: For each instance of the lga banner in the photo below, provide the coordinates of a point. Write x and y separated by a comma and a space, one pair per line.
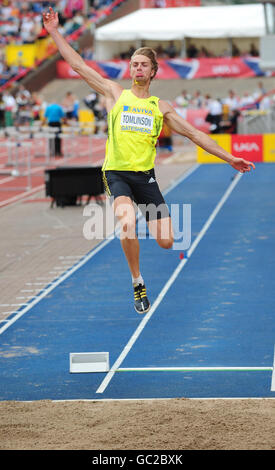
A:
253, 147
239, 67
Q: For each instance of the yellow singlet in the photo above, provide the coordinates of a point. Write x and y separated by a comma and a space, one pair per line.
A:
134, 125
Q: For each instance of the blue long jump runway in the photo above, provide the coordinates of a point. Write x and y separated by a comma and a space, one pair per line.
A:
210, 332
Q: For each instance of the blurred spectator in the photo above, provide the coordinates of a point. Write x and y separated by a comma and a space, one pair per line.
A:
91, 102
265, 103
260, 90
73, 24
197, 101
253, 50
183, 99
22, 97
27, 30
235, 51
214, 115
10, 107
232, 100
160, 3
171, 50
36, 103
87, 53
72, 7
55, 116
5, 73
230, 125
24, 108
204, 52
131, 51
246, 100
70, 105
207, 100
192, 51
96, 104
10, 102
2, 111
160, 51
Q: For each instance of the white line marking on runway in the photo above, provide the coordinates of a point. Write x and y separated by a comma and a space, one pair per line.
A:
71, 256
31, 290
35, 284
153, 399
192, 369
167, 286
273, 375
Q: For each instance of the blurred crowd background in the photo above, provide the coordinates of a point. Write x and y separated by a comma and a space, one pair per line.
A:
21, 24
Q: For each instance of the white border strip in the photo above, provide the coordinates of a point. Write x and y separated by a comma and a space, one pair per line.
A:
192, 369
167, 286
84, 260
273, 375
95, 400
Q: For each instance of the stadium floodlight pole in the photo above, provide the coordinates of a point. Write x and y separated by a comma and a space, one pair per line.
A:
269, 15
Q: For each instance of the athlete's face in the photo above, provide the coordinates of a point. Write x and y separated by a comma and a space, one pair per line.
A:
141, 68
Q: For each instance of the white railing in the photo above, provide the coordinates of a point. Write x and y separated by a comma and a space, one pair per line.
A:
26, 147
257, 122
19, 164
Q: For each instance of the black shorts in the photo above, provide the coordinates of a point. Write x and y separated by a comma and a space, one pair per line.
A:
141, 187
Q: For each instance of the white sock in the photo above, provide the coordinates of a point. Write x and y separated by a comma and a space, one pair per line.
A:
137, 280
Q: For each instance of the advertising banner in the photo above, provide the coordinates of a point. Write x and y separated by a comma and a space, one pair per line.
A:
224, 140
21, 55
252, 147
239, 67
28, 55
269, 147
248, 146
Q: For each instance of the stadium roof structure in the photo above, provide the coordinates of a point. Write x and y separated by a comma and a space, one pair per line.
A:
226, 21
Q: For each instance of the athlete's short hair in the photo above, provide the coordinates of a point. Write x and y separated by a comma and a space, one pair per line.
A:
151, 54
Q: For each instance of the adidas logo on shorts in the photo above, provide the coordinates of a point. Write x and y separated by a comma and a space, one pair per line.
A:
151, 180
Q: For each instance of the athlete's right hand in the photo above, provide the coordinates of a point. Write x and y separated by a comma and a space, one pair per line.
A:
50, 20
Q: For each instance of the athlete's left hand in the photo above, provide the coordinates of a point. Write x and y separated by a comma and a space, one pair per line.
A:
242, 165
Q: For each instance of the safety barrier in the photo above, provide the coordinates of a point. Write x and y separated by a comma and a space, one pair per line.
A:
19, 154
26, 147
257, 121
252, 147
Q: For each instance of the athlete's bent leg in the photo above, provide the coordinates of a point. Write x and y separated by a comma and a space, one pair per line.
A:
125, 212
162, 231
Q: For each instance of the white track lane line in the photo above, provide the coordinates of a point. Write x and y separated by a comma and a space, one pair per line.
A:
167, 286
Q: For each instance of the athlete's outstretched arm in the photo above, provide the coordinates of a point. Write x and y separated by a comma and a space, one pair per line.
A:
179, 125
94, 79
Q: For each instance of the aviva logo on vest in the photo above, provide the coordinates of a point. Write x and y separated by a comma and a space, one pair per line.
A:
135, 110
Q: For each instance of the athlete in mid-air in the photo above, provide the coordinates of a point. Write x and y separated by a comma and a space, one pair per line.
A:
135, 120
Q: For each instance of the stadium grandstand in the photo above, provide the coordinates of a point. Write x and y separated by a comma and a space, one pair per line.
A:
29, 57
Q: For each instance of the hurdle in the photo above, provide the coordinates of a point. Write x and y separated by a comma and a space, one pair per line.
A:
20, 156
69, 141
